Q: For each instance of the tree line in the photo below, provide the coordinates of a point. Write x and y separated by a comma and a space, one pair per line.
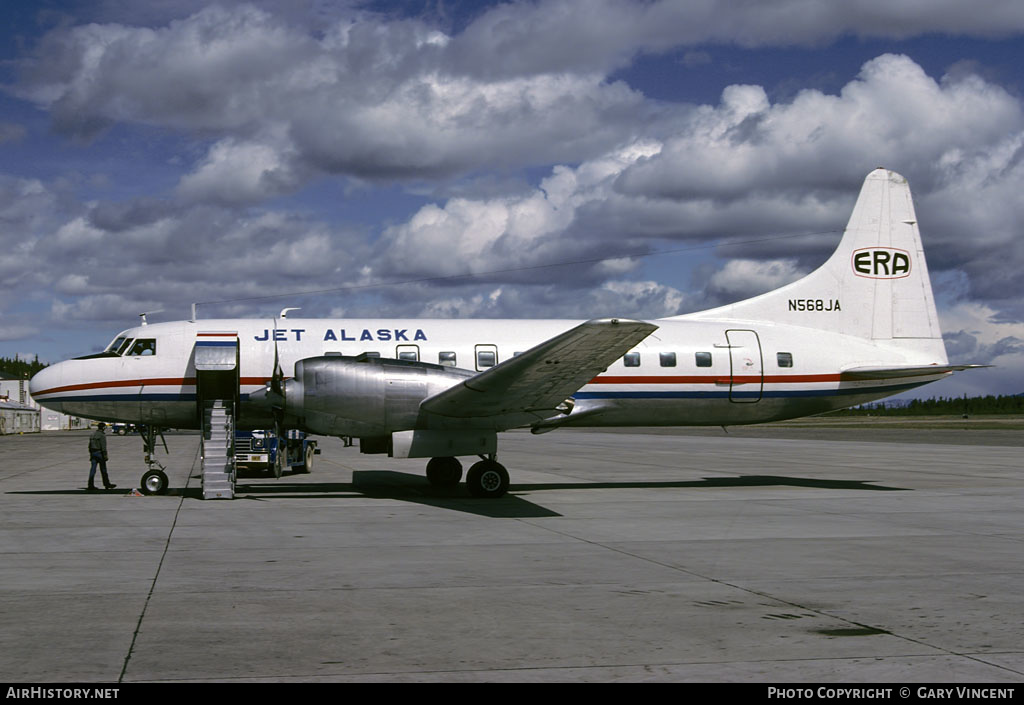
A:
1001, 404
16, 367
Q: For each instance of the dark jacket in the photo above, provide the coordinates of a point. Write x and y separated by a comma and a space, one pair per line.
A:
98, 442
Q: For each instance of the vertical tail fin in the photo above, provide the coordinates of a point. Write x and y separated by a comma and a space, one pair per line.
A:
874, 286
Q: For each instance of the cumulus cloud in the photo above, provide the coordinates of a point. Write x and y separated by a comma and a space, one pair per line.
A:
581, 35
743, 278
29, 211
108, 262
746, 163
375, 97
974, 334
369, 98
241, 172
634, 299
892, 114
743, 167
510, 234
18, 332
747, 168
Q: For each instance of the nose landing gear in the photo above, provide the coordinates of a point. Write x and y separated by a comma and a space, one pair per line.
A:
154, 480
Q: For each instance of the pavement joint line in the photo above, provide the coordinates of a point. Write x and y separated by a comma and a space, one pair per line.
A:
783, 601
159, 567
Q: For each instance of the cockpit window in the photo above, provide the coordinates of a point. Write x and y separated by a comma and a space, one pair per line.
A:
116, 347
143, 346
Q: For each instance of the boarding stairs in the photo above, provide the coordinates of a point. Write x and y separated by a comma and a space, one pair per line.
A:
218, 449
217, 404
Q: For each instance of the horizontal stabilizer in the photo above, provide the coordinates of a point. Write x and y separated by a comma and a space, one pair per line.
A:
540, 380
870, 372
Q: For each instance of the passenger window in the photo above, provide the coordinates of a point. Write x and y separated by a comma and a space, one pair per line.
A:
446, 358
668, 359
143, 346
631, 359
409, 353
485, 358
703, 359
785, 359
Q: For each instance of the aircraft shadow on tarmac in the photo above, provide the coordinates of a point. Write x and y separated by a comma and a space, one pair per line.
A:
414, 488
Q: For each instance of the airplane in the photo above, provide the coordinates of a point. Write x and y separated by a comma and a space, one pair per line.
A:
861, 327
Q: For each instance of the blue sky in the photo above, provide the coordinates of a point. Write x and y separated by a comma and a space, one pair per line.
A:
155, 154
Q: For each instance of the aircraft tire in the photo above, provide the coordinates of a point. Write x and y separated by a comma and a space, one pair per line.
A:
154, 482
487, 479
444, 472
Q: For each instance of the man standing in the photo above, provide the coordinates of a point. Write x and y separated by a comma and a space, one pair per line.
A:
98, 456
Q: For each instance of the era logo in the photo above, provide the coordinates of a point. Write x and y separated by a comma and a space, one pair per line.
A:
881, 263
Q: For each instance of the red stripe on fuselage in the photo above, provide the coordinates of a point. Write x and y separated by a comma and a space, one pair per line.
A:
152, 382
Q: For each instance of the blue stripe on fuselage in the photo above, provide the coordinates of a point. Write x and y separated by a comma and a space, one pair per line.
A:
736, 394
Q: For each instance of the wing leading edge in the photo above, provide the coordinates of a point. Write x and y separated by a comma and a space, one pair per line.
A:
536, 384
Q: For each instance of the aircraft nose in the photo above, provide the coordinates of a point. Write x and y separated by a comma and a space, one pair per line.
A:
47, 379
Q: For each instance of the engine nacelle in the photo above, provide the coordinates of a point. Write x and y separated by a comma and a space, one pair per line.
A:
340, 395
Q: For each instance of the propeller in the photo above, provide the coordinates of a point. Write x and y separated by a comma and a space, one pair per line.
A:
276, 384
275, 395
272, 394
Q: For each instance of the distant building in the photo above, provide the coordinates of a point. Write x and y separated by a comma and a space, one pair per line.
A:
14, 390
20, 413
50, 420
15, 418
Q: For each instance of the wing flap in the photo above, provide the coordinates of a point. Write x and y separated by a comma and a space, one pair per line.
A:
541, 379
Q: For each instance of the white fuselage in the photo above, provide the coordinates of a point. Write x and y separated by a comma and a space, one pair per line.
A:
688, 372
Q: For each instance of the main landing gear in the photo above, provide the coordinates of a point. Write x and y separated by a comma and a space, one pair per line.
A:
444, 472
487, 478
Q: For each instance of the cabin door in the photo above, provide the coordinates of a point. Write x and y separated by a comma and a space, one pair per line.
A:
746, 367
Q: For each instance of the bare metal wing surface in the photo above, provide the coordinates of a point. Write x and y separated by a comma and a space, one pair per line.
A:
541, 379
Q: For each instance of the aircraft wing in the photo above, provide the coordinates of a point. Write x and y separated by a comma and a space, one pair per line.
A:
869, 372
533, 385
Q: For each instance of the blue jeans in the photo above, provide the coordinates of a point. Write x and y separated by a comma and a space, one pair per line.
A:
96, 457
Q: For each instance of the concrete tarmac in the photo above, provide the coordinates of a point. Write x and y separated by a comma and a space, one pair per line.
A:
627, 556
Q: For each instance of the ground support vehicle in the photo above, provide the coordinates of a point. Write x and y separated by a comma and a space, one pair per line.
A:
262, 450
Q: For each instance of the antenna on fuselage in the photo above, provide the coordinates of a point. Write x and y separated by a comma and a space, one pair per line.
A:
284, 311
143, 316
